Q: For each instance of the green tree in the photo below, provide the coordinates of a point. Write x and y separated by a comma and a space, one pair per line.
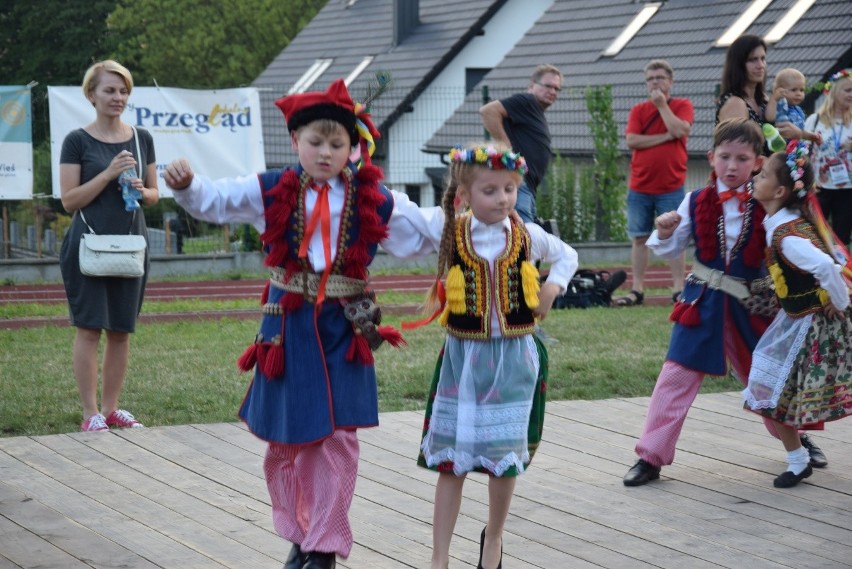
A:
608, 172
52, 43
202, 44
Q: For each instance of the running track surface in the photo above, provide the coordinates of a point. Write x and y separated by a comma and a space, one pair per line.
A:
656, 277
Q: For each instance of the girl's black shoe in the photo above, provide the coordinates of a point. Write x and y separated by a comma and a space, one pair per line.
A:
481, 546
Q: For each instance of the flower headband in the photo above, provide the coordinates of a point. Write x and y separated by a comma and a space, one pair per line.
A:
490, 157
842, 74
797, 151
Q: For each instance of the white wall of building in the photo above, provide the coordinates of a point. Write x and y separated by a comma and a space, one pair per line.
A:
406, 162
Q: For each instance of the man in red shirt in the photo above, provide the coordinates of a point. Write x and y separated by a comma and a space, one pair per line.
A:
657, 129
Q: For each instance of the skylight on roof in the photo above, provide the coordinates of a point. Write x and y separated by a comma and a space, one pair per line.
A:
782, 26
742, 23
648, 10
358, 69
310, 76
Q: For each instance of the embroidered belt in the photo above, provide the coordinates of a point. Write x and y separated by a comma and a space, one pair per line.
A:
337, 286
718, 280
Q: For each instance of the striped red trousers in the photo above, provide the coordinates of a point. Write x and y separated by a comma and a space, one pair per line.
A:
311, 488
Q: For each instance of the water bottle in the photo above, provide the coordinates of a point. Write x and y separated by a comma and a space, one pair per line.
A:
129, 194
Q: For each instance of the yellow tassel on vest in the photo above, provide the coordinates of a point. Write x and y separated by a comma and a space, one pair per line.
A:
455, 290
824, 299
778, 280
445, 316
529, 280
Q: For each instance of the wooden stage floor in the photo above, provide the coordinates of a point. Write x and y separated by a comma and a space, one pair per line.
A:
194, 497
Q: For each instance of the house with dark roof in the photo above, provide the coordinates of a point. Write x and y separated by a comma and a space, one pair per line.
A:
446, 58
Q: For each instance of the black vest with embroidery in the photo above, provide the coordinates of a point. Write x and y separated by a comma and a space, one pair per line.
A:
799, 288
480, 293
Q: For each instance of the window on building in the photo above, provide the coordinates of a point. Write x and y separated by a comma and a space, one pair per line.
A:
636, 24
413, 193
787, 21
472, 76
358, 70
742, 23
310, 76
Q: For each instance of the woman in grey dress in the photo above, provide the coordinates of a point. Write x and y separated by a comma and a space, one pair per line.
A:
91, 161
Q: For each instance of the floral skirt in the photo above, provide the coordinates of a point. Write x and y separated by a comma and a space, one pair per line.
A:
819, 383
505, 441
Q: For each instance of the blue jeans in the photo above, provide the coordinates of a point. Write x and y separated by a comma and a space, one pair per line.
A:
643, 209
525, 205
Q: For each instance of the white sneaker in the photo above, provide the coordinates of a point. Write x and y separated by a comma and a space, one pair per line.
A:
96, 422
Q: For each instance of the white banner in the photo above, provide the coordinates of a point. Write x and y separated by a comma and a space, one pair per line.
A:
16, 143
219, 131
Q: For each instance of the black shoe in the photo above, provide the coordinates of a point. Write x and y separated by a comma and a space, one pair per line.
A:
482, 546
295, 559
818, 459
788, 479
641, 473
319, 560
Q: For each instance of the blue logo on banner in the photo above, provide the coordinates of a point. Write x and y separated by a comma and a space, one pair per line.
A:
15, 119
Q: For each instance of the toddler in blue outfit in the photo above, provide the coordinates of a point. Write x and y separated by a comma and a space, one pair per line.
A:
788, 92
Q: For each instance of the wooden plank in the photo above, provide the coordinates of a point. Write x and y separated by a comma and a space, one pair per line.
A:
191, 543
22, 548
112, 525
217, 509
6, 563
33, 518
194, 496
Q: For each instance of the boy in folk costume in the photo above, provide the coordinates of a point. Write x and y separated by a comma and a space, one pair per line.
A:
314, 381
713, 320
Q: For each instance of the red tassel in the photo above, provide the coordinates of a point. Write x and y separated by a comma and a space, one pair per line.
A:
273, 364
392, 336
677, 311
264, 297
249, 358
690, 317
359, 349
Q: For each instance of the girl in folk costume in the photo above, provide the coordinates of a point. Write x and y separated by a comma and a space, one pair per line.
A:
716, 322
802, 366
486, 404
314, 380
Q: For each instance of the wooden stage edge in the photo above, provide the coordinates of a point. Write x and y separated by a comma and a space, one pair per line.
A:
193, 496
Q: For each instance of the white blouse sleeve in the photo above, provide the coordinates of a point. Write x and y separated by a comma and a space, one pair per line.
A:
802, 253
562, 257
413, 231
227, 200
675, 245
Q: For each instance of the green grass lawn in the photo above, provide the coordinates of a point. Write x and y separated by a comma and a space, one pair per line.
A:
185, 372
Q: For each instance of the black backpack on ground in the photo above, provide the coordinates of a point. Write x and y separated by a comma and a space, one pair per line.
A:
590, 288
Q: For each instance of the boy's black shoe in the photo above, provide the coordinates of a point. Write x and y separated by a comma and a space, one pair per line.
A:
295, 559
818, 459
788, 479
319, 560
641, 473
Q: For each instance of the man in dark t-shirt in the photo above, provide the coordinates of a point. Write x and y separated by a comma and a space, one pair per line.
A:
518, 121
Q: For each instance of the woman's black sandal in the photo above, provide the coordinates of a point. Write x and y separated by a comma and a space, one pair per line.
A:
633, 298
